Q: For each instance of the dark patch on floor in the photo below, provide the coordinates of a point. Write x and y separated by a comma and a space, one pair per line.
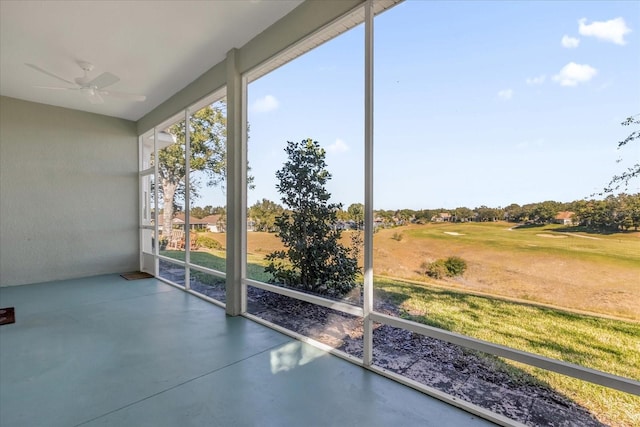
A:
136, 275
7, 315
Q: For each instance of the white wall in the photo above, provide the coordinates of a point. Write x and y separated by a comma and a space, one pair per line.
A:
68, 193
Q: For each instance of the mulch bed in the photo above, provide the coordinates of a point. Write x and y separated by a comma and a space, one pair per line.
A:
466, 374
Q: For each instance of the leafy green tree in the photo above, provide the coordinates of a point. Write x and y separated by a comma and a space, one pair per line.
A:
386, 216
630, 210
200, 212
356, 214
546, 211
208, 140
485, 213
313, 259
264, 213
404, 216
514, 212
342, 215
463, 214
622, 180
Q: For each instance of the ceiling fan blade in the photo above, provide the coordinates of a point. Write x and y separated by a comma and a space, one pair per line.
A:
123, 95
35, 67
104, 80
56, 88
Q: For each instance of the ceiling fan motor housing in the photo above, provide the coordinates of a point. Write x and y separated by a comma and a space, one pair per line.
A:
86, 67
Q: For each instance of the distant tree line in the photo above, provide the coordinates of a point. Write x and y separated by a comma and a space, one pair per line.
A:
199, 212
621, 212
614, 213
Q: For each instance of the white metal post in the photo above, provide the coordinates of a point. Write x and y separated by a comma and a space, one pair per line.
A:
156, 228
236, 188
244, 165
367, 356
140, 206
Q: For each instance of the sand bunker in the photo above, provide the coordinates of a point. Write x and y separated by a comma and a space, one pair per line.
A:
551, 236
453, 233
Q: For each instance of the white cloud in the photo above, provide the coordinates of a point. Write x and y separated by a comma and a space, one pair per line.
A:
536, 80
265, 104
505, 94
338, 147
570, 42
572, 74
612, 30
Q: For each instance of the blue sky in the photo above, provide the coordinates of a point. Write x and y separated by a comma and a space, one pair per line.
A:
476, 103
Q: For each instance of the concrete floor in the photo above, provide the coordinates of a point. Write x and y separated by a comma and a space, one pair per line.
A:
103, 351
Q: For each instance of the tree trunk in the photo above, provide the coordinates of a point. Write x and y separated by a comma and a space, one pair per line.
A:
168, 193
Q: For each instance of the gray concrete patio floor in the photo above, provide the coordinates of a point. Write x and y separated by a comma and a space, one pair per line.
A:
104, 351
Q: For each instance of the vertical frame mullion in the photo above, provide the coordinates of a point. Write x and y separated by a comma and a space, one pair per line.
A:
244, 136
236, 187
367, 356
156, 228
141, 203
187, 199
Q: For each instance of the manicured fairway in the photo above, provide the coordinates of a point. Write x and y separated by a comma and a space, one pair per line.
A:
593, 273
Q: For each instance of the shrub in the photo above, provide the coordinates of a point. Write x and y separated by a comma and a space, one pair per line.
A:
441, 268
424, 267
437, 269
208, 242
456, 266
397, 236
313, 260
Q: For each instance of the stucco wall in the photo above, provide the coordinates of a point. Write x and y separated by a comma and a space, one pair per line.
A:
68, 193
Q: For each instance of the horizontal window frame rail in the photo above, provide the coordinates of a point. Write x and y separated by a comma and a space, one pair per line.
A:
313, 299
172, 260
147, 172
594, 376
200, 268
174, 284
188, 265
217, 273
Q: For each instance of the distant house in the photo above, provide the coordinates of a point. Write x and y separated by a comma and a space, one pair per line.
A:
194, 223
378, 222
344, 225
217, 224
441, 217
564, 218
213, 223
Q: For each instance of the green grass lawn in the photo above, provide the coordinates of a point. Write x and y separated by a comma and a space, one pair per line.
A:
608, 345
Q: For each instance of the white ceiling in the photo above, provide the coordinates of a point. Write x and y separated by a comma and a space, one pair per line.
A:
155, 47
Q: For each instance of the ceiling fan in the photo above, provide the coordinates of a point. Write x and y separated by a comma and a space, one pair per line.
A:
92, 88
